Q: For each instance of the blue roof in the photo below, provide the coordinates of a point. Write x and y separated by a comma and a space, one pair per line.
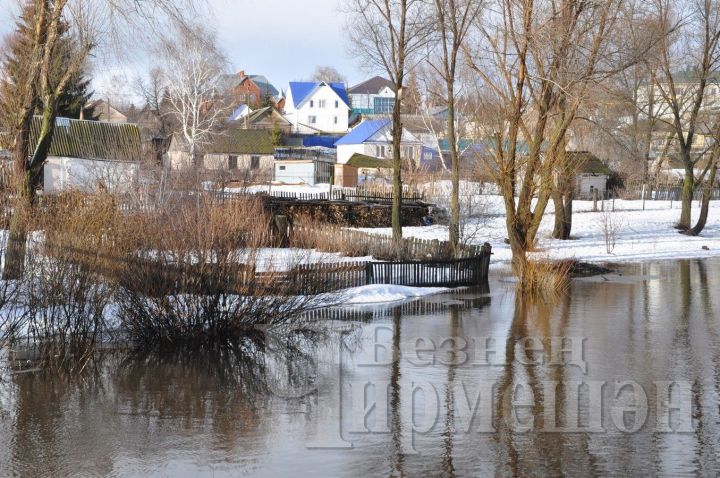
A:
363, 132
302, 89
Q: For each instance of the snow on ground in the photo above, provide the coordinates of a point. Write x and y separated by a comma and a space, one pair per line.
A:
641, 235
281, 260
377, 293
289, 188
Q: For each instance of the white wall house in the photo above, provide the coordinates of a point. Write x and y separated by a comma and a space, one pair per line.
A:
89, 175
374, 138
314, 107
372, 97
91, 156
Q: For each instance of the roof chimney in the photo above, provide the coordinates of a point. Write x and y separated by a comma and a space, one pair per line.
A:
241, 73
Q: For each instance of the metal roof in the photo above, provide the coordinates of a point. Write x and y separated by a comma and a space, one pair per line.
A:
302, 89
371, 86
363, 132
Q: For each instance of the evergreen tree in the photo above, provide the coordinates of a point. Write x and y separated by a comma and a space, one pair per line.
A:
16, 64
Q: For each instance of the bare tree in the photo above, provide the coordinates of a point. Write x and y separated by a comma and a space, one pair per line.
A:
388, 35
692, 40
192, 67
454, 18
328, 74
538, 59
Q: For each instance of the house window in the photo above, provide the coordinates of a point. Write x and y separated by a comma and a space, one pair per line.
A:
312, 104
254, 162
321, 103
282, 168
380, 151
383, 105
337, 104
312, 119
335, 120
252, 98
232, 162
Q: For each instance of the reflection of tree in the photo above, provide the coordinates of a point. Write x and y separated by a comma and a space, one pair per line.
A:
448, 466
211, 396
398, 465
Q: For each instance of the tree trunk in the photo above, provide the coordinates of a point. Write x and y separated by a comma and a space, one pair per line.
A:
686, 197
563, 216
705, 204
454, 175
28, 176
397, 168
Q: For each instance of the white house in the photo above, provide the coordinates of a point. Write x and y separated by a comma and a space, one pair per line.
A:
374, 138
375, 96
90, 156
314, 107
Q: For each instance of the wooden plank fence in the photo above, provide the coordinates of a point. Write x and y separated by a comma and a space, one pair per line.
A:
343, 194
383, 247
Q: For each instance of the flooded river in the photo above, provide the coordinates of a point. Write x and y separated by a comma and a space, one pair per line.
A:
619, 378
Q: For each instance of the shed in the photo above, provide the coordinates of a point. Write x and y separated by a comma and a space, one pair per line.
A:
359, 168
591, 174
90, 155
308, 172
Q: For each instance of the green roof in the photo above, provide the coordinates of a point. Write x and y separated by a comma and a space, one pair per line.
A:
243, 141
364, 161
91, 139
588, 163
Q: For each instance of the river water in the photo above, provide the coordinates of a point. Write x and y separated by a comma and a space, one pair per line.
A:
621, 377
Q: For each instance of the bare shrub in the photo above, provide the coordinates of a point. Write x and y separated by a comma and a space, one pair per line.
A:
194, 279
610, 225
65, 294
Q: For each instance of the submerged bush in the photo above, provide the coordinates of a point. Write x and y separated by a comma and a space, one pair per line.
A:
544, 277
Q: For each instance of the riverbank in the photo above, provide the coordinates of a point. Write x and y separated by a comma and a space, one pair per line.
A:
640, 235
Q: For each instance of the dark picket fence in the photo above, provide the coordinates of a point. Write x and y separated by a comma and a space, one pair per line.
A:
321, 278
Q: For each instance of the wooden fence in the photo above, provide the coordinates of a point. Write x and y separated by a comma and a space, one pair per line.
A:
320, 278
374, 195
335, 239
665, 192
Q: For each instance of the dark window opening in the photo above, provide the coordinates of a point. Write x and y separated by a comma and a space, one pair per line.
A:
254, 162
232, 162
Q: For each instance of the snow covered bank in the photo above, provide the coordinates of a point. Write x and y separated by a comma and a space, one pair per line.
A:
640, 235
380, 293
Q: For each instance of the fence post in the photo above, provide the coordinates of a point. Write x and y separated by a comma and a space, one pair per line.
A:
369, 273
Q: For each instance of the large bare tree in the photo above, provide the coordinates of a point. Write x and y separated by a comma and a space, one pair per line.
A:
454, 20
192, 67
389, 35
538, 59
689, 58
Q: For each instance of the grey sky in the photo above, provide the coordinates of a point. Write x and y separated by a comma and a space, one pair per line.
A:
282, 39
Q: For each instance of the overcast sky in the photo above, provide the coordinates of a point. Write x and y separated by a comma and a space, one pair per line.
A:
282, 39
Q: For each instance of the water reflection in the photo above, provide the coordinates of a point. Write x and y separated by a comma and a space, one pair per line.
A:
483, 394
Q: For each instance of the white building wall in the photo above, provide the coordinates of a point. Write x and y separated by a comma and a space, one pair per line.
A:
346, 151
328, 119
66, 174
586, 182
296, 172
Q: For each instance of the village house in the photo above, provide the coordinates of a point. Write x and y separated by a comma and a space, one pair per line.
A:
235, 150
102, 110
374, 138
375, 96
254, 91
246, 154
317, 107
263, 118
90, 156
